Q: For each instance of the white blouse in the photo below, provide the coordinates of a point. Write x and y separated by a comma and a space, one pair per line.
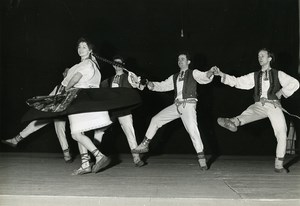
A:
91, 76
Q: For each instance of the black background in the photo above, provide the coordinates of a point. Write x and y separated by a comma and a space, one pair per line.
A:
38, 41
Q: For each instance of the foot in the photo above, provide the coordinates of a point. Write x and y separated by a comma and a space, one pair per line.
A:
141, 149
281, 170
10, 142
101, 164
67, 156
227, 123
82, 170
139, 163
202, 164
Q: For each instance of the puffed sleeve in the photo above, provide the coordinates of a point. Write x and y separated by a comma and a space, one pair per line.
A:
289, 84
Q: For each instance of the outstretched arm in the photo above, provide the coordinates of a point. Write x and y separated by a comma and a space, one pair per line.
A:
204, 77
166, 85
244, 82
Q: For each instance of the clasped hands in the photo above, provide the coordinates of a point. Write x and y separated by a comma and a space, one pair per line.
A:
214, 71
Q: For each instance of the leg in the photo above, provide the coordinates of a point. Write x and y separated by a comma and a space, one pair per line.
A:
31, 128
253, 113
126, 123
101, 160
60, 129
278, 123
85, 162
189, 119
163, 117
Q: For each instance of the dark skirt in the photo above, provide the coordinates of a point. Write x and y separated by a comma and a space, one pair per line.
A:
118, 101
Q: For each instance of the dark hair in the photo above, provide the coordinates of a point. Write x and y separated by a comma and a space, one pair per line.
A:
270, 54
119, 57
89, 43
188, 56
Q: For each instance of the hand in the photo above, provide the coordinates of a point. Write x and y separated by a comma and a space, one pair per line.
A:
134, 78
218, 72
65, 72
150, 85
211, 71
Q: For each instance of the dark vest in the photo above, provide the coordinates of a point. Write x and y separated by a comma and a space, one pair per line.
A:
122, 83
274, 85
189, 89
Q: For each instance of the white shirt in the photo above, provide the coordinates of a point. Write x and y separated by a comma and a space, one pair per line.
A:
288, 83
91, 76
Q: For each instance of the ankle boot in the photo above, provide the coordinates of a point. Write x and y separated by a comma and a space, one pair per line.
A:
102, 161
279, 165
202, 161
143, 147
85, 165
137, 160
67, 156
13, 142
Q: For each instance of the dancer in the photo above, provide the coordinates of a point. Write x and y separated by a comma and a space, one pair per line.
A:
184, 84
86, 75
269, 86
121, 79
35, 125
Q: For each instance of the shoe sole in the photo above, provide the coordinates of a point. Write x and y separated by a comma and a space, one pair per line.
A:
223, 124
9, 144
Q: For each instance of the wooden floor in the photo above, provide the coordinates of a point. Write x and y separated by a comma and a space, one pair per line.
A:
44, 179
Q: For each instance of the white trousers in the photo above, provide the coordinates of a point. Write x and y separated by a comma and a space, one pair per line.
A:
126, 123
188, 117
60, 127
258, 111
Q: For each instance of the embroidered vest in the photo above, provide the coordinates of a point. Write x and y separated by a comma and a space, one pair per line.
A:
274, 85
189, 89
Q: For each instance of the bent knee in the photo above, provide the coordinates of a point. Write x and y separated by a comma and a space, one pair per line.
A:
76, 136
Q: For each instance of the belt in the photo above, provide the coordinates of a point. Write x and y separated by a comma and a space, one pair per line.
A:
183, 102
276, 103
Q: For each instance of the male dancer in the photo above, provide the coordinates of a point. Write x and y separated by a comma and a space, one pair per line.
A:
269, 86
184, 83
121, 79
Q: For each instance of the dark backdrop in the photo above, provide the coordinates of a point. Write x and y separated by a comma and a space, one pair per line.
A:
38, 41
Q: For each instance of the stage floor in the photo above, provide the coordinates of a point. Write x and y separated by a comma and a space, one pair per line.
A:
38, 179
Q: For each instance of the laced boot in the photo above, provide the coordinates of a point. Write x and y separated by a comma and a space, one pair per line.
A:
101, 161
67, 156
279, 165
85, 167
13, 142
202, 161
137, 160
143, 147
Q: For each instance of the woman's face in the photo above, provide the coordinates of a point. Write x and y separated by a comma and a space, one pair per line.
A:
83, 50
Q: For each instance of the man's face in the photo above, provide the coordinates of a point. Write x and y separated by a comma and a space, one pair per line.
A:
183, 62
263, 58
